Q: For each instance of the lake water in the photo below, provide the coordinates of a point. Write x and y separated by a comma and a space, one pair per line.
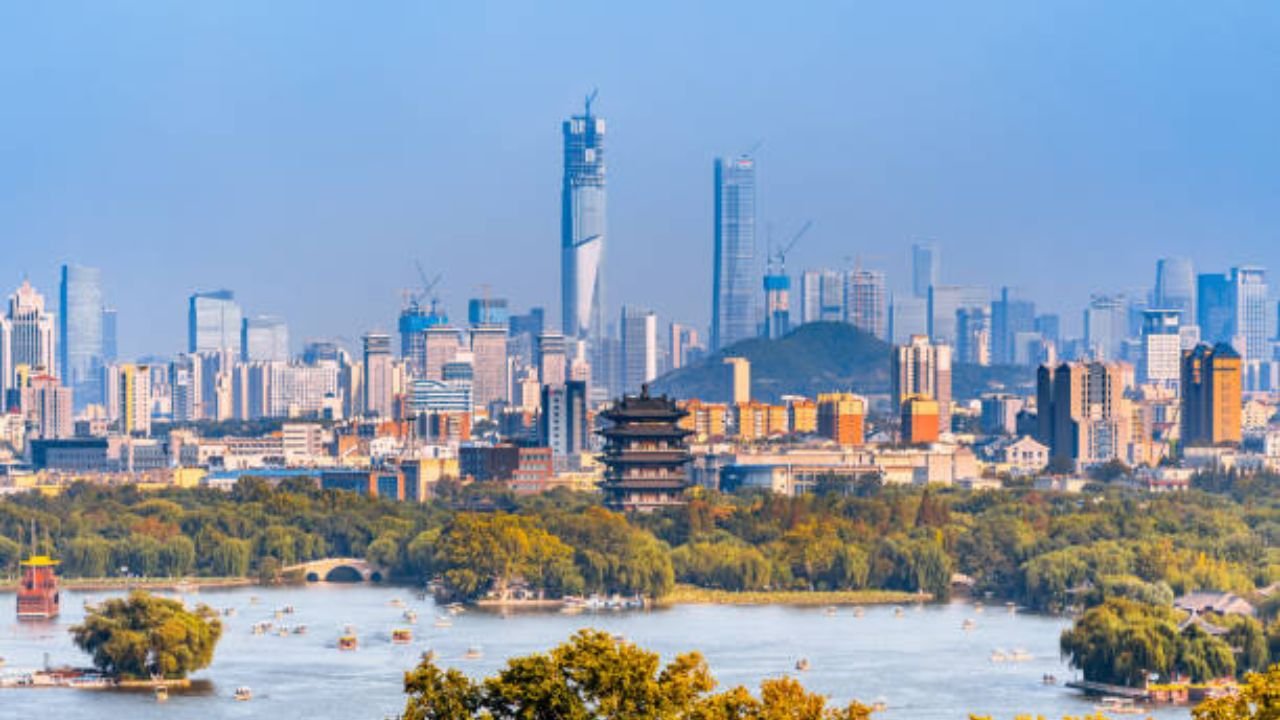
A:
923, 664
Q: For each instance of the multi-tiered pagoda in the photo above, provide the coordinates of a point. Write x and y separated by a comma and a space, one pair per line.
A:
644, 453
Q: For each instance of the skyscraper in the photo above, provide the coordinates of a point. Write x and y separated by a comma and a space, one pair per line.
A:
1106, 325
489, 366
1161, 347
734, 278
926, 268
440, 346
973, 335
552, 359
213, 322
582, 226
1176, 288
1215, 307
1082, 413
1010, 315
378, 396
110, 338
1212, 401
822, 296
264, 338
1249, 291
31, 331
487, 311
80, 332
865, 296
639, 348
922, 368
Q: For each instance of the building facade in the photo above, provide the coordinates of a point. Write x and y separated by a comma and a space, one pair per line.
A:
734, 281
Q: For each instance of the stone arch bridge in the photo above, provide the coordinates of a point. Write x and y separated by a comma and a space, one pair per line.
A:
339, 570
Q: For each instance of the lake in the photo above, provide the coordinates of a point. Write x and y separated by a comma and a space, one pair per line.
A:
924, 665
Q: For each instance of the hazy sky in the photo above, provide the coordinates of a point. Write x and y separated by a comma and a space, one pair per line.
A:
305, 153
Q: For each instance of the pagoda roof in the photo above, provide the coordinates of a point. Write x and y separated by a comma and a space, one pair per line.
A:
39, 561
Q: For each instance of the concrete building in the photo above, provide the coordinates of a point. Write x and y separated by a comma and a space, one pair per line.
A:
865, 306
639, 347
735, 277
489, 365
582, 226
80, 336
563, 424
1161, 347
922, 368
552, 359
135, 399
32, 332
213, 322
739, 371
842, 417
264, 338
1083, 415
378, 395
945, 301
1211, 396
822, 296
920, 420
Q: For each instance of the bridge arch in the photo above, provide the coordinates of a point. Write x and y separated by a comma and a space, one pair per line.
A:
339, 570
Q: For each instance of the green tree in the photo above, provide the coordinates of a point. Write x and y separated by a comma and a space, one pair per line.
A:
144, 635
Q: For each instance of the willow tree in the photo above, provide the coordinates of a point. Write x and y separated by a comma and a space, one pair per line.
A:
145, 636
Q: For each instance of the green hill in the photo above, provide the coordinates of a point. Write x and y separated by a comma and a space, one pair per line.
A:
822, 357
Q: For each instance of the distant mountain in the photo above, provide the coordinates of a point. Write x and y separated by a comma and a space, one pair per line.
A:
823, 357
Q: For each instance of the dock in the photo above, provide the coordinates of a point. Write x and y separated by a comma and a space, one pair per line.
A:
1089, 687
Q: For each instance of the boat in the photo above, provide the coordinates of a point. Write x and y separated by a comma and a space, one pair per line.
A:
998, 656
161, 693
38, 596
977, 607
287, 610
1013, 608
897, 612
1118, 706
396, 602
802, 664
243, 694
348, 642
410, 616
859, 612
968, 624
832, 610
443, 621
474, 653
1048, 679
1020, 655
229, 612
284, 632
300, 630
402, 636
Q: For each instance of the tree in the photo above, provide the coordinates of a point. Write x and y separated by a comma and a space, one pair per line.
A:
1258, 699
146, 636
477, 553
595, 676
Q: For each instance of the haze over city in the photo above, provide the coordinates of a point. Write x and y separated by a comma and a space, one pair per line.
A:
306, 155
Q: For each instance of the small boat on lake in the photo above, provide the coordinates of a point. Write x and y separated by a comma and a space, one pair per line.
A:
832, 610
998, 656
802, 664
859, 612
898, 612
300, 630
243, 694
348, 642
410, 616
396, 602
474, 653
161, 693
968, 624
443, 621
402, 636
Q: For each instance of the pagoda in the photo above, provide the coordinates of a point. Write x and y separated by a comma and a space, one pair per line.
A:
644, 453
38, 590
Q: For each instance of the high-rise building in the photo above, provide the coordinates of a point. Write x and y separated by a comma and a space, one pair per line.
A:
582, 226
1249, 291
264, 338
926, 268
945, 301
1161, 347
1212, 401
134, 401
865, 298
1010, 315
684, 345
921, 420
639, 347
922, 368
378, 398
6, 362
213, 322
110, 335
739, 373
562, 424
441, 345
822, 296
489, 364
1049, 325
487, 311
777, 304
1106, 326
552, 355
32, 335
734, 279
842, 417
1082, 414
1176, 288
80, 331
416, 317
909, 315
47, 407
973, 335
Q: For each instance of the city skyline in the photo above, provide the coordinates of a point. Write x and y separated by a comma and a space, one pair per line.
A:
1000, 188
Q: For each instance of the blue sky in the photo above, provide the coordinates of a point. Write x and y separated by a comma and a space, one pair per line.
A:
305, 153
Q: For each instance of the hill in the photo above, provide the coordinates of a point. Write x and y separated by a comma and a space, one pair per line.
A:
822, 357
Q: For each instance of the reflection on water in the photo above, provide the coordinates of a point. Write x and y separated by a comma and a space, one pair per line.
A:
926, 663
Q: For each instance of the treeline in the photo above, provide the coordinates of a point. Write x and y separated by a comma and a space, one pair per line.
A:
1047, 551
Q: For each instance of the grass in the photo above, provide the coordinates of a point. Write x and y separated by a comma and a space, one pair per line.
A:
689, 595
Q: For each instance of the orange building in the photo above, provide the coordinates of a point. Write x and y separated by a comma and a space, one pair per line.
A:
919, 420
1212, 402
802, 416
705, 420
757, 420
842, 417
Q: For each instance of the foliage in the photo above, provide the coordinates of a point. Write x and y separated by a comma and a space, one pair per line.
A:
594, 675
147, 636
1123, 641
478, 553
1258, 699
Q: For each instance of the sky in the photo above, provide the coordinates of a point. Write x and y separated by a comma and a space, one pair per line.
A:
306, 154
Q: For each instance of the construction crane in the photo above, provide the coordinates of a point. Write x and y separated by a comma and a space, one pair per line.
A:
428, 286
781, 255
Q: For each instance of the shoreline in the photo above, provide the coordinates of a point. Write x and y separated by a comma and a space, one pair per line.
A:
175, 584
688, 595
